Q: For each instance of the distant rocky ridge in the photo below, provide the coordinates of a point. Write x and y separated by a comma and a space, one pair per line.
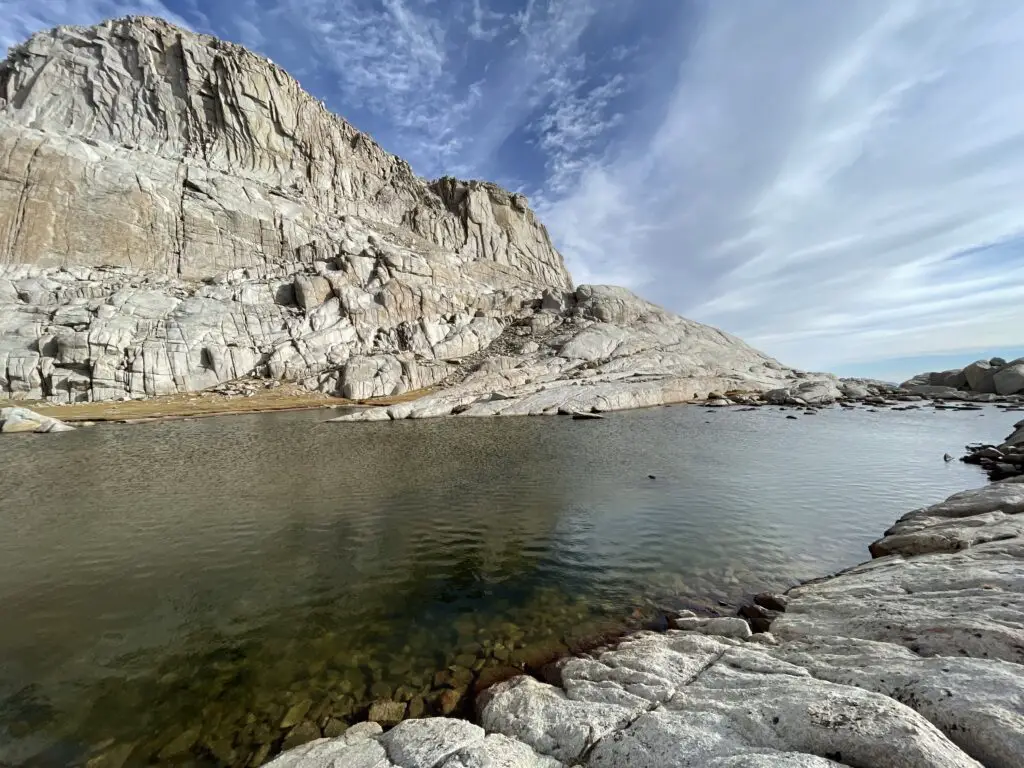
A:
993, 378
176, 213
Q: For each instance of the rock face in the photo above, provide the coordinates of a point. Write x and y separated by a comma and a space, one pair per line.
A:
912, 660
994, 377
176, 212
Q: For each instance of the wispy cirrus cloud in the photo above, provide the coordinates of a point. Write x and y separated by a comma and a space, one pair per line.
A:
841, 191
19, 19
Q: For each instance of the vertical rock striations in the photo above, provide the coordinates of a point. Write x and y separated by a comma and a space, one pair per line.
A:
176, 212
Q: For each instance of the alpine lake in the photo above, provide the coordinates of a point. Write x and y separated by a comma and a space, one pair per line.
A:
210, 591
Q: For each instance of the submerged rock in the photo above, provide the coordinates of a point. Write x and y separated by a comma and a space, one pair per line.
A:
387, 712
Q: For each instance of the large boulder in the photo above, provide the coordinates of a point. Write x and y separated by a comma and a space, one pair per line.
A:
814, 392
1009, 380
954, 378
980, 376
23, 420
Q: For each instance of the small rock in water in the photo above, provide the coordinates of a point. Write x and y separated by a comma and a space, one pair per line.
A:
651, 477
947, 457
295, 714
759, 617
791, 417
334, 728
387, 712
581, 416
180, 744
449, 701
417, 708
115, 757
300, 734
771, 601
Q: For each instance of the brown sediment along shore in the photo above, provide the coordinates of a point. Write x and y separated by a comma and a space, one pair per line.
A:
238, 398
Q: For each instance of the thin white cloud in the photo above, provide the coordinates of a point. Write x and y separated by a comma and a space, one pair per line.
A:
19, 19
817, 174
487, 24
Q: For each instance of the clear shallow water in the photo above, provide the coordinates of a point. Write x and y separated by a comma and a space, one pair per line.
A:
203, 576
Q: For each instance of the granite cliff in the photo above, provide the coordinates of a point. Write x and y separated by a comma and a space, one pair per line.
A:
176, 212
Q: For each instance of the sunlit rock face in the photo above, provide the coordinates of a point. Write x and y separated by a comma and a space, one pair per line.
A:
176, 212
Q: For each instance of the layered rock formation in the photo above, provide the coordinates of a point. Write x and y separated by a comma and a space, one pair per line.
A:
989, 379
915, 660
176, 212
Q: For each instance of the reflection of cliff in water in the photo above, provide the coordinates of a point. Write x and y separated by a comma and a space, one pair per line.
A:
232, 523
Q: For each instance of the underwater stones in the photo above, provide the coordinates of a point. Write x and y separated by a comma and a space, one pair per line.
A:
259, 757
334, 727
387, 712
493, 675
460, 677
113, 757
300, 734
295, 713
449, 700
180, 744
417, 707
381, 690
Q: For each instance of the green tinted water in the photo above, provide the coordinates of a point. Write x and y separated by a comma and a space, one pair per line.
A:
191, 592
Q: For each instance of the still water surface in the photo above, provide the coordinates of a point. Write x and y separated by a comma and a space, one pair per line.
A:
202, 577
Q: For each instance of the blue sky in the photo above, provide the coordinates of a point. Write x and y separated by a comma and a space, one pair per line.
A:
840, 184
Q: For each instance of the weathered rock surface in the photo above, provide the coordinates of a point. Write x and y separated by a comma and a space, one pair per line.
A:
23, 420
915, 659
176, 212
610, 351
995, 377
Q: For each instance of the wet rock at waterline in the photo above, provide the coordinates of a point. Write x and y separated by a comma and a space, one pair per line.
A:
15, 420
919, 649
1003, 461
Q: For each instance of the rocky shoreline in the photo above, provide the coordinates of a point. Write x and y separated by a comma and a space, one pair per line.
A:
803, 399
914, 658
1000, 461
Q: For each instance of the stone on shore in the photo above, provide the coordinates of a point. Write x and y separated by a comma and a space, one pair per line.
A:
14, 420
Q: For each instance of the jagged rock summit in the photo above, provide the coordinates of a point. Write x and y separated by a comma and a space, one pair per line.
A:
176, 212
